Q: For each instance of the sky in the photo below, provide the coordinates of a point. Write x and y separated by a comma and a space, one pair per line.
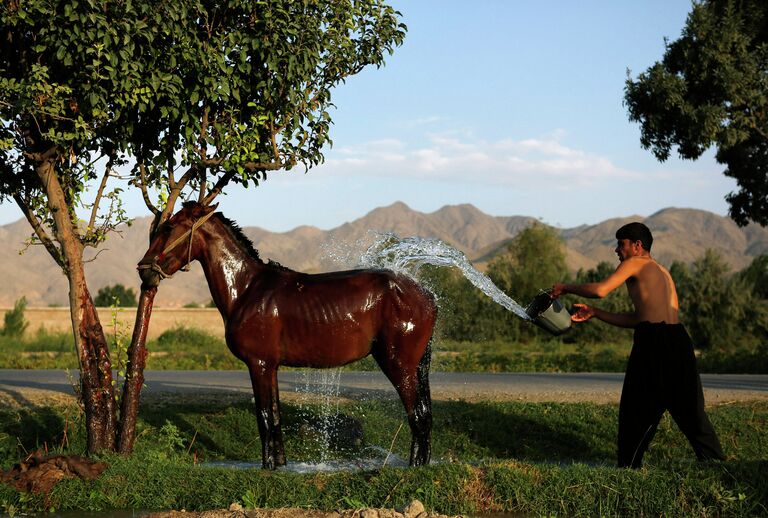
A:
514, 106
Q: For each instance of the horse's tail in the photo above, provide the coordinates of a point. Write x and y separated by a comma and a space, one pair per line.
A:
423, 395
421, 445
425, 362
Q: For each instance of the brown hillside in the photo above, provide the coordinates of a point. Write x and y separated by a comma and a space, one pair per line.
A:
681, 234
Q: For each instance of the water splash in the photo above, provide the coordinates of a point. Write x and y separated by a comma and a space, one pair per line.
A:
407, 255
404, 255
326, 466
325, 384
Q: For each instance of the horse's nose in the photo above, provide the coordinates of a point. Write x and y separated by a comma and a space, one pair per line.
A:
148, 274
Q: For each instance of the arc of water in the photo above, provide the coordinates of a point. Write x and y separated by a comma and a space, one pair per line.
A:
407, 255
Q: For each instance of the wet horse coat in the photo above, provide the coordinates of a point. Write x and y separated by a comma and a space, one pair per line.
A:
275, 316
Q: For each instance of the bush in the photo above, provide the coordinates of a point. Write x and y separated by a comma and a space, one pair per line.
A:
15, 323
117, 295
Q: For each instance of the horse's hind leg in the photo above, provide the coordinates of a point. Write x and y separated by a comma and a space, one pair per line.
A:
421, 445
265, 392
412, 385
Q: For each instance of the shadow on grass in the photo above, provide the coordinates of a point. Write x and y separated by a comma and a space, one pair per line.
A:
25, 430
560, 433
462, 431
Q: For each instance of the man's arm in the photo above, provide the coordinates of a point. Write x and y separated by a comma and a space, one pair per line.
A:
598, 290
585, 312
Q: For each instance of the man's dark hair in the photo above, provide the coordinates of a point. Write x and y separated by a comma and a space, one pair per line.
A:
636, 232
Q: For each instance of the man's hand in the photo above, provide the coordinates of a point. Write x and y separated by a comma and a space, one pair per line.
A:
582, 313
557, 290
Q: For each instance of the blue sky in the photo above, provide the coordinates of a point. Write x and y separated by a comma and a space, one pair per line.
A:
512, 106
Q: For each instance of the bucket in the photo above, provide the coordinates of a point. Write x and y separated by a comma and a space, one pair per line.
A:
549, 314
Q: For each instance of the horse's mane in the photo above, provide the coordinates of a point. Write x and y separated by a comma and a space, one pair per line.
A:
246, 243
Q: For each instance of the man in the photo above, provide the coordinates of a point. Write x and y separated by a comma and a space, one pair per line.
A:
661, 372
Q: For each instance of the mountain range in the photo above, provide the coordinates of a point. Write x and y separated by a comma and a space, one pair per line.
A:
680, 234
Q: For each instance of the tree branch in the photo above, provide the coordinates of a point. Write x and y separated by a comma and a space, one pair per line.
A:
267, 166
223, 181
144, 192
273, 139
40, 232
203, 154
42, 157
760, 131
95, 209
171, 179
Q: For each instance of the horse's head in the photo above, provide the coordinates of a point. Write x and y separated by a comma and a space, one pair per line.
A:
175, 244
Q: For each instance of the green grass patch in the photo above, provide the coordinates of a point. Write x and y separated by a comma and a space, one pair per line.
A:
530, 458
184, 348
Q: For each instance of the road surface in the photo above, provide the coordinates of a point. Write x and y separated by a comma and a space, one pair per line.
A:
568, 387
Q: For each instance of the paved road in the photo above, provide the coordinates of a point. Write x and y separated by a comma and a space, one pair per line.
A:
600, 387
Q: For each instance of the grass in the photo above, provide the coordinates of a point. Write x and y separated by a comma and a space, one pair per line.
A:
192, 349
531, 458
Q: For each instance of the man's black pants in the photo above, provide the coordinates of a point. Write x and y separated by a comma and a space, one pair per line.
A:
661, 375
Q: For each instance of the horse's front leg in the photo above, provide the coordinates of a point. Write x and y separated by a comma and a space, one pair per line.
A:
265, 392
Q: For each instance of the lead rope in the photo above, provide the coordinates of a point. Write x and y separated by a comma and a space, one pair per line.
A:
156, 267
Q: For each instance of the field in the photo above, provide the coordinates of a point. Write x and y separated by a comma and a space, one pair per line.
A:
56, 320
193, 339
530, 458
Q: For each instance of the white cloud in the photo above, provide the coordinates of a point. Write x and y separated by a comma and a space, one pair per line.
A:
424, 121
531, 162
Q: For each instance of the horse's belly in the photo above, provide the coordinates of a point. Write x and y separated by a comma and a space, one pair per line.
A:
325, 345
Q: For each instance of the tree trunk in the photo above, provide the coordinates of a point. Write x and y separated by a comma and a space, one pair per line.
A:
96, 387
95, 366
134, 373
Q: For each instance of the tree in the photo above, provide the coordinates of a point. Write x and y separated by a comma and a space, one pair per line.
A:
756, 276
117, 295
715, 306
533, 260
466, 313
711, 88
197, 93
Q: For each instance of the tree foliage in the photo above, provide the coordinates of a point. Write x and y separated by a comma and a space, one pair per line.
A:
756, 276
465, 313
117, 295
719, 309
227, 90
711, 88
534, 260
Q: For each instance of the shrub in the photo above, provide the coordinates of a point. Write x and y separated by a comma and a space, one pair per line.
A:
117, 295
15, 324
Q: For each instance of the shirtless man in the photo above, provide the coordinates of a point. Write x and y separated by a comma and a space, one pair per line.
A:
661, 371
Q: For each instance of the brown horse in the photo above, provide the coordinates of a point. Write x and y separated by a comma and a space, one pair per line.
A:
275, 316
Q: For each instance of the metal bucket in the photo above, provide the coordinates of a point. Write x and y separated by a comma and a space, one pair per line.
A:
549, 314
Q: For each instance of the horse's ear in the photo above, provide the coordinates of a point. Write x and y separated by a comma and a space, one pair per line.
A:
211, 208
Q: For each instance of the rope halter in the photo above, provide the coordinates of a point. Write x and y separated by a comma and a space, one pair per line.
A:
176, 242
